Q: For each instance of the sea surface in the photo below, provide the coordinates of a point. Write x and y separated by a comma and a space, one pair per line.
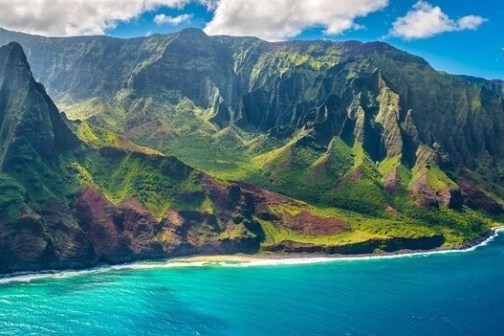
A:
438, 294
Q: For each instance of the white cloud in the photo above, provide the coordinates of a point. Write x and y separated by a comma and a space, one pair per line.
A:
425, 20
470, 22
74, 17
209, 4
281, 19
268, 19
173, 20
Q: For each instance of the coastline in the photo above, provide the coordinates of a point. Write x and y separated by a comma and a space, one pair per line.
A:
265, 259
256, 260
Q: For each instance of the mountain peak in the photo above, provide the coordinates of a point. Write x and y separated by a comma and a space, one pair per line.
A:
191, 32
14, 46
13, 57
15, 50
29, 120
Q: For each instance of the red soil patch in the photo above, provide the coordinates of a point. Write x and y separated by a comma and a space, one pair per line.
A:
314, 225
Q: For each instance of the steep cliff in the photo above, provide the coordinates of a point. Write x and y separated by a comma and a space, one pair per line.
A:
70, 200
379, 144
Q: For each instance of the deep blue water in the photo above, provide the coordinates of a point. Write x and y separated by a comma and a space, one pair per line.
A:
445, 294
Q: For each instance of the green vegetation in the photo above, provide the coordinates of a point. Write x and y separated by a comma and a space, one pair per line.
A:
100, 138
339, 177
389, 165
360, 133
455, 227
157, 182
438, 179
276, 234
12, 197
284, 59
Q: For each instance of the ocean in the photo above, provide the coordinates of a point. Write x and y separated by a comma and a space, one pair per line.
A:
444, 294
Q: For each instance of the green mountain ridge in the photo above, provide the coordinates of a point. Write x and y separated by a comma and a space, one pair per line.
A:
67, 203
242, 97
277, 88
386, 152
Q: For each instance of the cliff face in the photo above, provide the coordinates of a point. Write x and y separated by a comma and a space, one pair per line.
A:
36, 224
28, 116
53, 210
392, 103
414, 157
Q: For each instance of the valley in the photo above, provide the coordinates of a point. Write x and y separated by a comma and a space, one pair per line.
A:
185, 144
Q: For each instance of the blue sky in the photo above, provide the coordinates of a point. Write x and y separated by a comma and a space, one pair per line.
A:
477, 52
457, 36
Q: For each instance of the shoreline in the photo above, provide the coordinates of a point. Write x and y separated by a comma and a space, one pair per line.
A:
243, 261
311, 258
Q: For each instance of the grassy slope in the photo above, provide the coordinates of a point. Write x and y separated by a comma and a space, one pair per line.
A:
341, 181
122, 170
319, 178
342, 177
117, 167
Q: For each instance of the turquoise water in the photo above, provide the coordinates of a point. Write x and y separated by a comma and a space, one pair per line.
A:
443, 294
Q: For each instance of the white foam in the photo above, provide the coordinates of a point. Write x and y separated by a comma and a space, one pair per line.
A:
236, 262
29, 277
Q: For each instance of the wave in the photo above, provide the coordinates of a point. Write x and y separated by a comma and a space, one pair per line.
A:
29, 277
234, 262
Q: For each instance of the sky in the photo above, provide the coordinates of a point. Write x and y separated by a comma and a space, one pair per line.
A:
456, 36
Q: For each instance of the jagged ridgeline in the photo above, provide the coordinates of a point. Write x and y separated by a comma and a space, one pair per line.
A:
308, 119
65, 202
386, 152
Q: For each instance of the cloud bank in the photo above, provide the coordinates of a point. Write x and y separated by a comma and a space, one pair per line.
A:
268, 19
281, 19
74, 17
425, 20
